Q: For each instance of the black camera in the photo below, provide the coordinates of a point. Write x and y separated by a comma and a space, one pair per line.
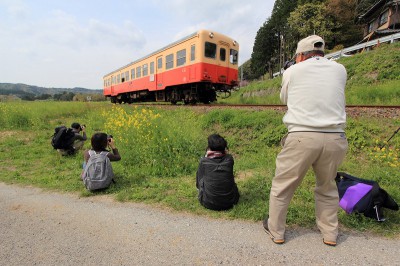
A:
83, 126
109, 137
288, 64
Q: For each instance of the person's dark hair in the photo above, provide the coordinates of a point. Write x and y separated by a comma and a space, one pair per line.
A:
99, 141
217, 143
76, 125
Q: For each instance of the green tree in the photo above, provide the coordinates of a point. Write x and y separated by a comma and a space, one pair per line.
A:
269, 48
311, 19
245, 69
264, 50
344, 14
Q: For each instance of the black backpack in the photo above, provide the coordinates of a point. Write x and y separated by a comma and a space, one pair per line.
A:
63, 138
363, 196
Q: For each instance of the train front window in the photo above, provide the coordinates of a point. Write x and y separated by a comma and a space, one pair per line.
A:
233, 58
222, 54
132, 73
210, 50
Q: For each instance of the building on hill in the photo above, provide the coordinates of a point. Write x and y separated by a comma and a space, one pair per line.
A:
382, 19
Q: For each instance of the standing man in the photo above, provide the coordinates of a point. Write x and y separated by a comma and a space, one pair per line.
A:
313, 90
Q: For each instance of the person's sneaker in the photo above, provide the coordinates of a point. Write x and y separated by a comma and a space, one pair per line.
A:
276, 241
329, 243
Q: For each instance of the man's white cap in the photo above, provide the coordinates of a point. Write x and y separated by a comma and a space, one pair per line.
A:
313, 42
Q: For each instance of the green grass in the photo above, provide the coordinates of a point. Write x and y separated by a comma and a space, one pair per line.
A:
161, 148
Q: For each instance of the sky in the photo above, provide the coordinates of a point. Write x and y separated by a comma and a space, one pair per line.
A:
74, 43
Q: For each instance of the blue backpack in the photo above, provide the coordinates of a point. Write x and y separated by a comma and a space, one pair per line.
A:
363, 196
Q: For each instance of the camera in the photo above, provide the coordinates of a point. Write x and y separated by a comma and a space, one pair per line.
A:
288, 64
109, 137
83, 126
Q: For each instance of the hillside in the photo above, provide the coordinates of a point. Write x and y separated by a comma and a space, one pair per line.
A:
373, 78
23, 89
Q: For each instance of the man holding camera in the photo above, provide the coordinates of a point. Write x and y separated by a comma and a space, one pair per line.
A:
313, 90
78, 140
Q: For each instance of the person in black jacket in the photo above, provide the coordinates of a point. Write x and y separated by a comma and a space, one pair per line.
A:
214, 178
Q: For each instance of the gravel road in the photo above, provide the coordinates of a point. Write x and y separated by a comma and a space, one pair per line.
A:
47, 228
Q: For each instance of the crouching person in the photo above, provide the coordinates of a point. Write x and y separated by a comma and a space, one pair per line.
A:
73, 140
98, 172
214, 179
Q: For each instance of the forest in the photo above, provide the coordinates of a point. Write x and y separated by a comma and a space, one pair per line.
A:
291, 20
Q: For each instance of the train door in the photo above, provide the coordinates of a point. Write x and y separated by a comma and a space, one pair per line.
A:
112, 86
192, 65
159, 72
223, 63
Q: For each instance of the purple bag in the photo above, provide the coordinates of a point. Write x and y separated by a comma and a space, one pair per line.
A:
363, 196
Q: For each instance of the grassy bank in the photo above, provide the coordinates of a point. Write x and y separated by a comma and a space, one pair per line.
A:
160, 151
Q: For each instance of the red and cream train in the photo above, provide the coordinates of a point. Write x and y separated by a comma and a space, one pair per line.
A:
191, 70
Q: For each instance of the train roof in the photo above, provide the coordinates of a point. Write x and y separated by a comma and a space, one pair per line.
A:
163, 48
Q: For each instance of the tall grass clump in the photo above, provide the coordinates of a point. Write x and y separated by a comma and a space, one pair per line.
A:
17, 115
153, 142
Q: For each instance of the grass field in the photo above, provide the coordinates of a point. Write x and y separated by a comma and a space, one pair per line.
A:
161, 148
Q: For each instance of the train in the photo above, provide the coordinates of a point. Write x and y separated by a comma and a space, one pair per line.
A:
196, 68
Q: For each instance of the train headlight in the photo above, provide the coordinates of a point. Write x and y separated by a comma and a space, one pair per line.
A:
211, 35
234, 43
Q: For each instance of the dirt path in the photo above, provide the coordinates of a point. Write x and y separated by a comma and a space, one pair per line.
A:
44, 228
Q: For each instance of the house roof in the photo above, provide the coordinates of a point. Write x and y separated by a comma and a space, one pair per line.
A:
376, 6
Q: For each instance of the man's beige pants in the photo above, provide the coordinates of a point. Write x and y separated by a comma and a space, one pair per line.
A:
301, 150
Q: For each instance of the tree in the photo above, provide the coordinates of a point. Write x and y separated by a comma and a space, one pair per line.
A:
344, 14
311, 19
245, 69
264, 50
268, 49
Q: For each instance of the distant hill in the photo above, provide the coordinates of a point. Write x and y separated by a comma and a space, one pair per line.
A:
23, 89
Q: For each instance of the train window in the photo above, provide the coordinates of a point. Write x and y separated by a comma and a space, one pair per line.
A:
181, 57
151, 68
210, 50
233, 57
132, 73
222, 54
138, 72
119, 78
192, 52
127, 76
159, 63
122, 77
145, 70
169, 61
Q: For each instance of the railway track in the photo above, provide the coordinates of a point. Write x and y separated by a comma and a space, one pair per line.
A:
266, 106
380, 111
